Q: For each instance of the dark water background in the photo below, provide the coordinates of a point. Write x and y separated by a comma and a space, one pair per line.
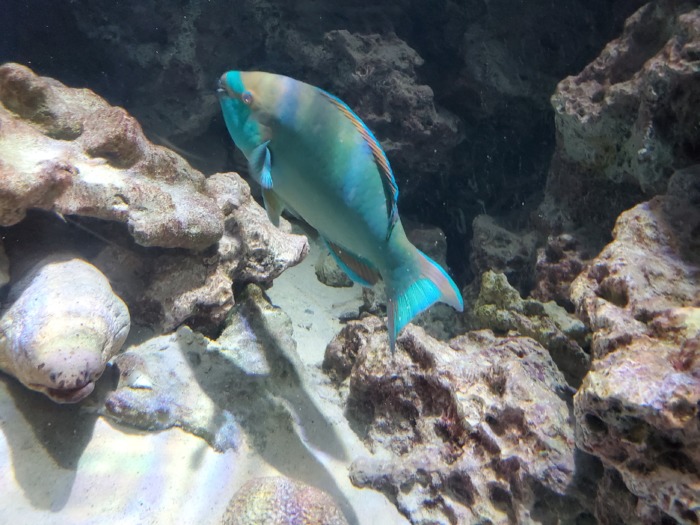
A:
481, 144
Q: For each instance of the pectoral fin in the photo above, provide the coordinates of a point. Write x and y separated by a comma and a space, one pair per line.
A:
273, 205
357, 268
261, 165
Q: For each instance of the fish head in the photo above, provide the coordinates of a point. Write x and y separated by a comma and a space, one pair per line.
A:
248, 101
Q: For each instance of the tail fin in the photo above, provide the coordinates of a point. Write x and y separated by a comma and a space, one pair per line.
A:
416, 290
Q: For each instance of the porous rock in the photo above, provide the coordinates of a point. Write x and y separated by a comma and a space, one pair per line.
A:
256, 250
466, 432
189, 381
61, 324
637, 409
560, 261
281, 501
180, 288
627, 119
70, 151
329, 273
500, 308
167, 289
498, 249
645, 282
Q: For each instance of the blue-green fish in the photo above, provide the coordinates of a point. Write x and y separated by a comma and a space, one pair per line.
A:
313, 156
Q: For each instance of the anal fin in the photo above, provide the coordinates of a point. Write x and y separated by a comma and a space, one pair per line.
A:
358, 269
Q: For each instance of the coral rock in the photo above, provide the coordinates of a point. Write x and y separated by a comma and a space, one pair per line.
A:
495, 248
61, 326
281, 501
68, 150
558, 264
167, 289
648, 275
628, 118
260, 250
329, 273
462, 433
638, 408
499, 307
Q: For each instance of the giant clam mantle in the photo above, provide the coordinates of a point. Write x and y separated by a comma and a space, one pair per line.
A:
61, 324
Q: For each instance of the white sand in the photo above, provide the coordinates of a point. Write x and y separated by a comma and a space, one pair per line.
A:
60, 465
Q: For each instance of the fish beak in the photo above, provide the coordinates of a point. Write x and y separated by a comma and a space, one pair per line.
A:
220, 89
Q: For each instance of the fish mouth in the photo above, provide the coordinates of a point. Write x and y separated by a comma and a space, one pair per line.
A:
66, 395
220, 88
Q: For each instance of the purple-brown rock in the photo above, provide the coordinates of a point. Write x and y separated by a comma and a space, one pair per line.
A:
638, 407
627, 119
463, 432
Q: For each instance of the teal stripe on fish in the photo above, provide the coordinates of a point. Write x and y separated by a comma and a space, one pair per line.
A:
246, 133
391, 189
234, 82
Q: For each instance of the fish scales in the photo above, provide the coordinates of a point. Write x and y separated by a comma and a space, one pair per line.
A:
314, 156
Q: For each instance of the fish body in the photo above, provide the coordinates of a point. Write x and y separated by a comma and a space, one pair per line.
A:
313, 156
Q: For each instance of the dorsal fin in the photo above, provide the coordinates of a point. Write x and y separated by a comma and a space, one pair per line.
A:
391, 189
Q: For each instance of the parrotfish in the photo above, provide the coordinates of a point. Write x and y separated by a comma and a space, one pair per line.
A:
314, 157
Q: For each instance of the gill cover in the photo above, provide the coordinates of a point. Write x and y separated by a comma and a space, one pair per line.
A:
244, 128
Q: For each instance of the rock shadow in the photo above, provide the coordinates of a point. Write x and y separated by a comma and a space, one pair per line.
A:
46, 442
274, 409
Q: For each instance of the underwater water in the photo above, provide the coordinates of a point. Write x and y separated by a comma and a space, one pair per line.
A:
283, 262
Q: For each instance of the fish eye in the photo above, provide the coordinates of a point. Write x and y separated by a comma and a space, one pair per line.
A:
247, 98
